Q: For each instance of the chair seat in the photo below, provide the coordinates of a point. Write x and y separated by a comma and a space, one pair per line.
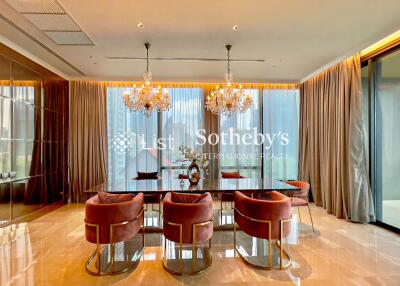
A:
298, 202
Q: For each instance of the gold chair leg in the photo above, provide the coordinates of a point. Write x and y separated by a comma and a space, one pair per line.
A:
181, 247
281, 249
270, 247
298, 211
112, 246
309, 211
194, 248
98, 250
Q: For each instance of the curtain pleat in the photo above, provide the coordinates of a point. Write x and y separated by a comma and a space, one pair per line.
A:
88, 137
332, 153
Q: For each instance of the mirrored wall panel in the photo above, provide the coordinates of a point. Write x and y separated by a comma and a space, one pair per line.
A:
33, 130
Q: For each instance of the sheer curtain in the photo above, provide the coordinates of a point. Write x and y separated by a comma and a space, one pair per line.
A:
180, 123
132, 140
237, 156
281, 132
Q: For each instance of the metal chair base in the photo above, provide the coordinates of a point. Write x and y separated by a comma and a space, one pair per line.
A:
309, 212
130, 265
110, 265
207, 262
282, 251
282, 266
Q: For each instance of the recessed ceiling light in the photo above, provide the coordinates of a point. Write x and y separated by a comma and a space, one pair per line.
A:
235, 27
140, 25
89, 57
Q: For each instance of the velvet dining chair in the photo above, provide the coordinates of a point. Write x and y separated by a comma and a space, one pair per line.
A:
188, 219
151, 199
112, 219
265, 219
300, 198
228, 197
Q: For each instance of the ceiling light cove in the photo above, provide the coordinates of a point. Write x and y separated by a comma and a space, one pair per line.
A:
140, 25
235, 27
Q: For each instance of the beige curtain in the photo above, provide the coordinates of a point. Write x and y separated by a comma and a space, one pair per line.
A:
87, 138
332, 151
211, 125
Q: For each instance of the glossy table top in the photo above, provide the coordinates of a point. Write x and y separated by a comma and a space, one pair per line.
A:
164, 185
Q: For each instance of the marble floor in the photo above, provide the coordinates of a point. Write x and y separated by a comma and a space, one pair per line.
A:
51, 250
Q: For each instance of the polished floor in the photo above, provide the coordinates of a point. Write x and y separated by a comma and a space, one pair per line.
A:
51, 250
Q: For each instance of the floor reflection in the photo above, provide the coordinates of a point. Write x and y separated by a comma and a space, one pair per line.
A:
16, 255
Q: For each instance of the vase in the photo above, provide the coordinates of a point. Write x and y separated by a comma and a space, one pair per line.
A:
194, 173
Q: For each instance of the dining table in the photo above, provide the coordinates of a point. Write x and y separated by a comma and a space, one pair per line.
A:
219, 185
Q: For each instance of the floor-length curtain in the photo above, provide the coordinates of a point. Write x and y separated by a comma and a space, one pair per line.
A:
181, 123
332, 151
132, 140
87, 137
211, 125
281, 132
235, 155
34, 184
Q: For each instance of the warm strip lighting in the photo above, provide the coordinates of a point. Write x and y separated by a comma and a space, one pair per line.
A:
382, 44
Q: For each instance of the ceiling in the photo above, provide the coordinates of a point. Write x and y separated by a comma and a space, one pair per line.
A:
295, 38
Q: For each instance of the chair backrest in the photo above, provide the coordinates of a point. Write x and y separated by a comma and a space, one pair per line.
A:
304, 189
249, 214
231, 175
187, 214
104, 215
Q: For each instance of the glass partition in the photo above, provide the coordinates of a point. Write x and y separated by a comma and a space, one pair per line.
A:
387, 138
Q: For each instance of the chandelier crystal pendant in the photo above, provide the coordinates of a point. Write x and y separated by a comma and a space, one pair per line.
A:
147, 98
228, 98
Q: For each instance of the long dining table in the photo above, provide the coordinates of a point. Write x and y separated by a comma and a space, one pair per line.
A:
173, 184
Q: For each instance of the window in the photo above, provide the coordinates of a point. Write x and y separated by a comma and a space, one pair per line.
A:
281, 133
181, 123
131, 140
235, 155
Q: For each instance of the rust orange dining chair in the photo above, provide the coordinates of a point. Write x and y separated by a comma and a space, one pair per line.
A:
112, 219
265, 219
188, 219
299, 198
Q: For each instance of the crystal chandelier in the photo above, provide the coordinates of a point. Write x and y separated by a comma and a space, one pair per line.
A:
147, 98
228, 99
